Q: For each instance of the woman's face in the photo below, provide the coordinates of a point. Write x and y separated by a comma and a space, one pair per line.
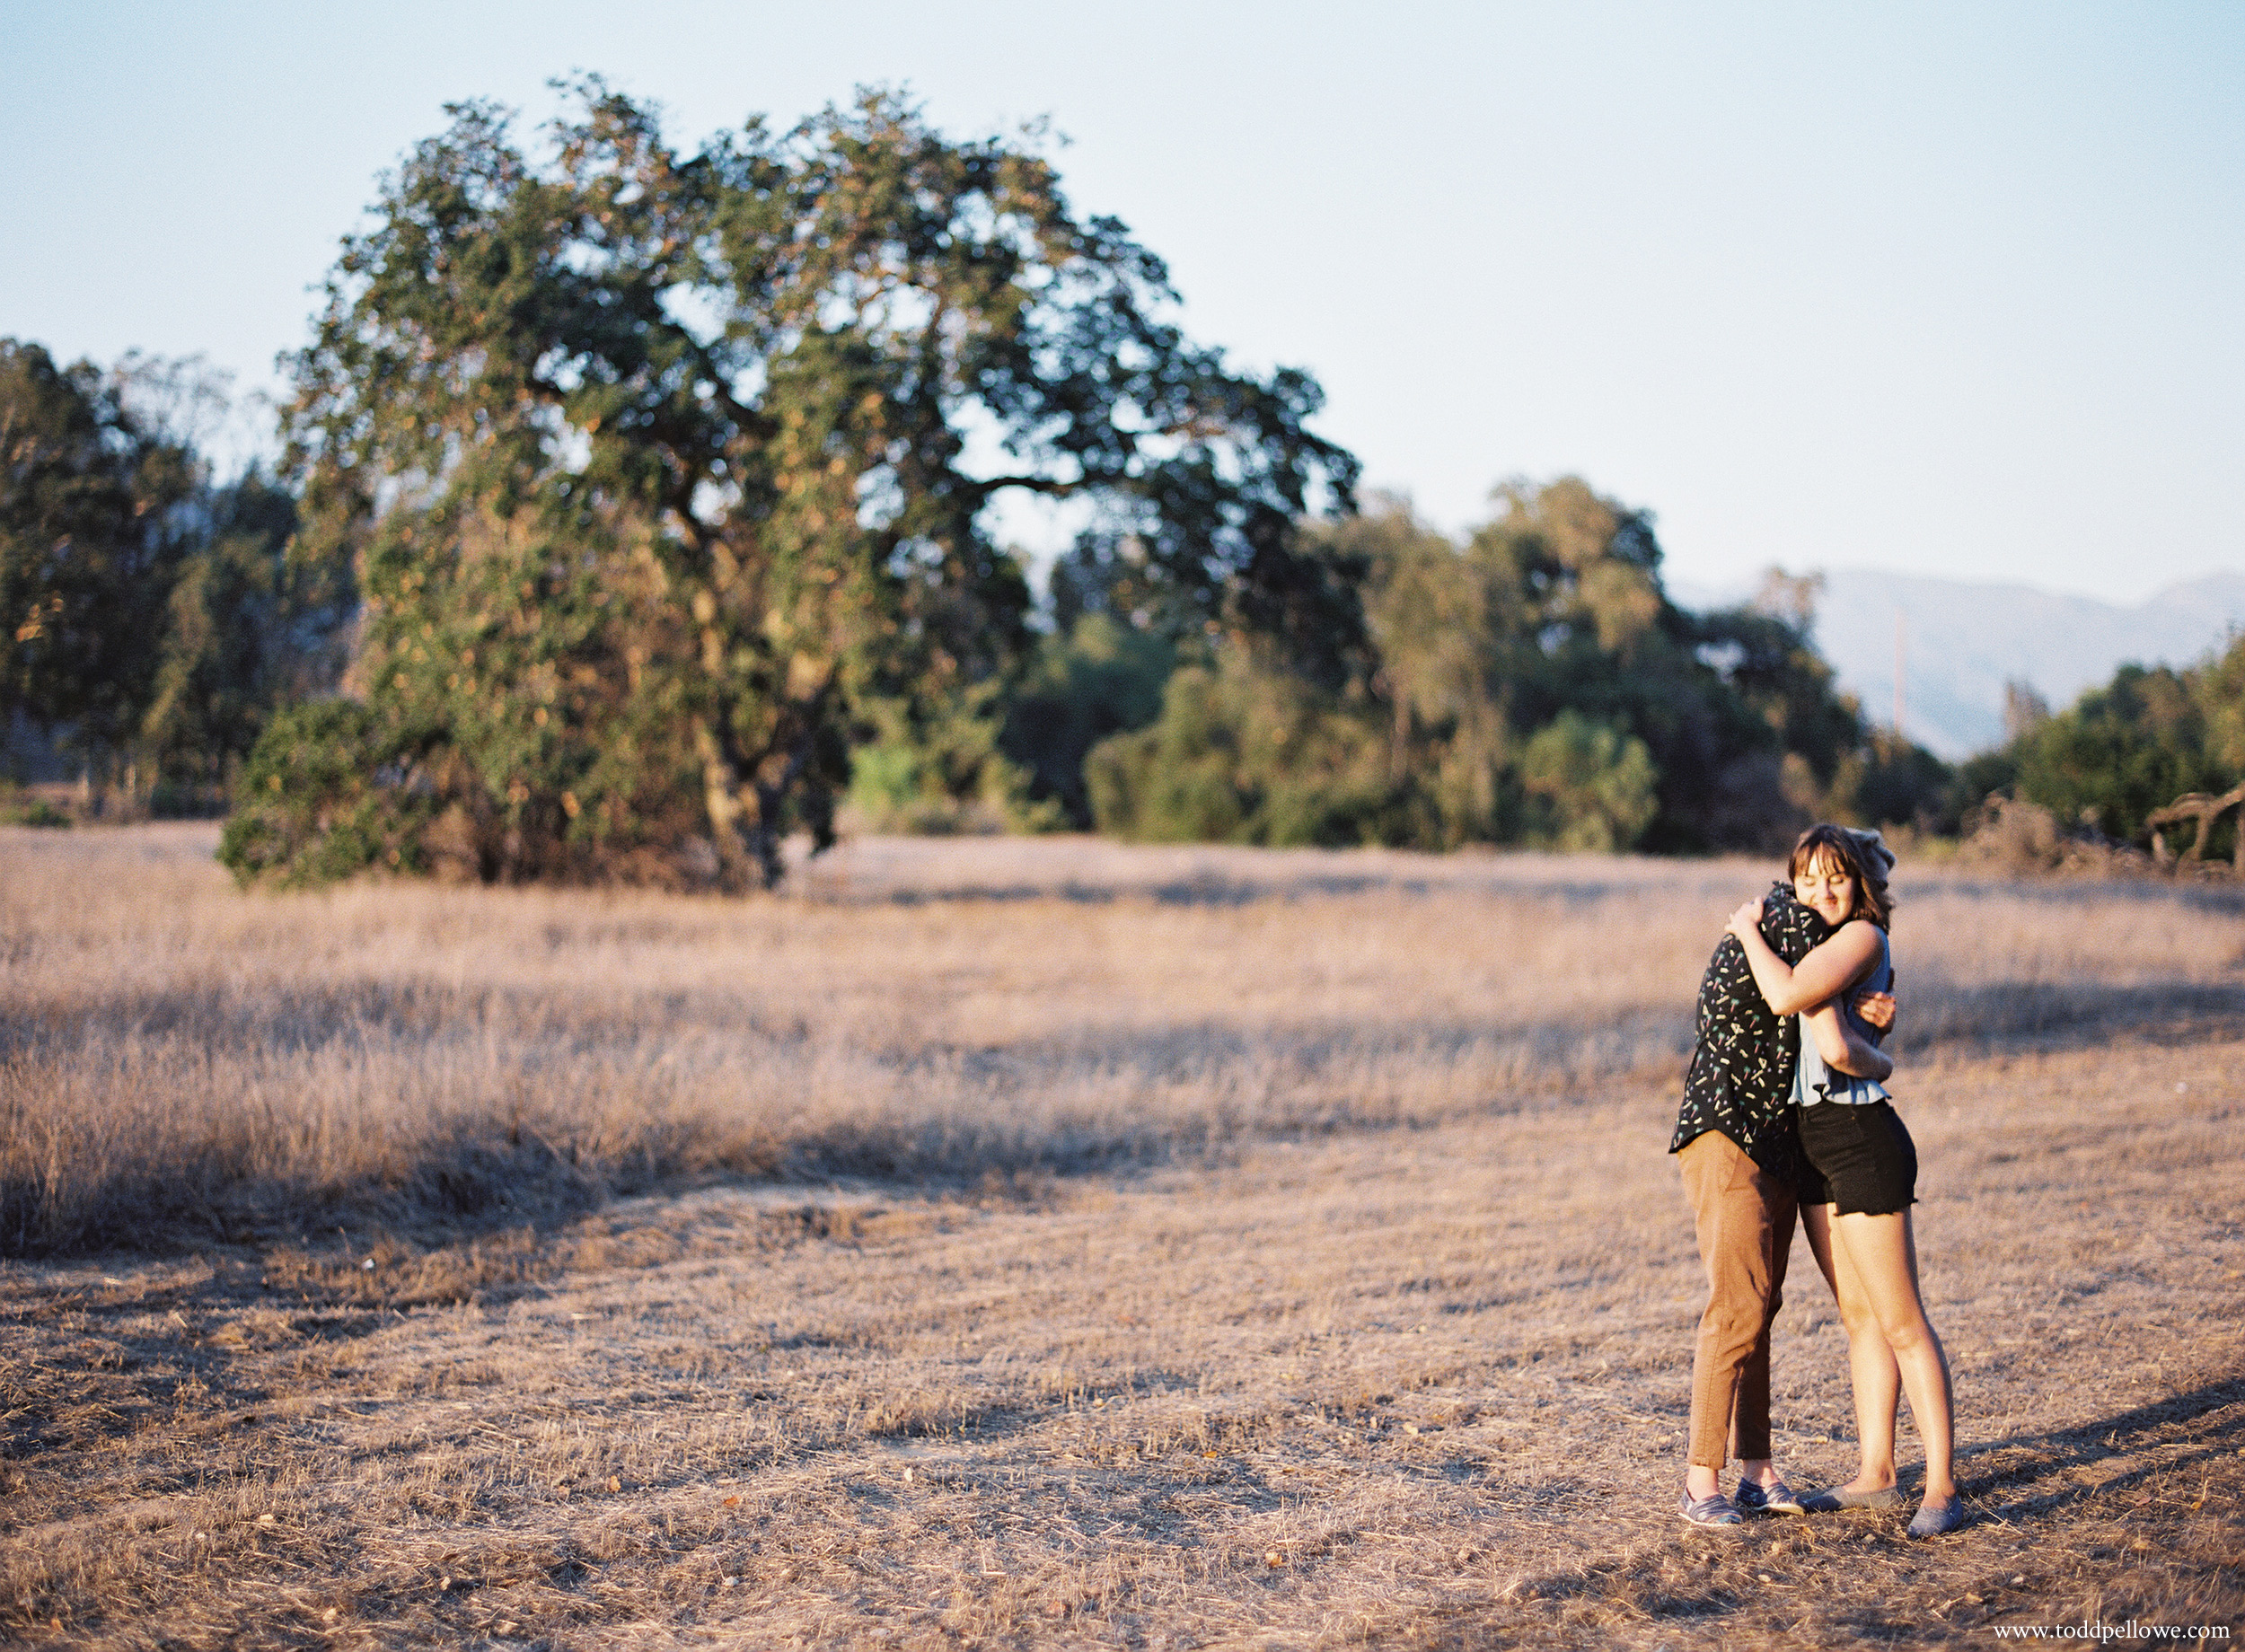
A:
1827, 888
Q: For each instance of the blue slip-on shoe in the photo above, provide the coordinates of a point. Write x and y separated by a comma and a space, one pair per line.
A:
1716, 1510
1775, 1498
1932, 1518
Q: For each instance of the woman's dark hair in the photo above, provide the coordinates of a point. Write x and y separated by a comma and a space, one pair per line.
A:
1863, 855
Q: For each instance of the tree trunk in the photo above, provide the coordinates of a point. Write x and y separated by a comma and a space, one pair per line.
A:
721, 797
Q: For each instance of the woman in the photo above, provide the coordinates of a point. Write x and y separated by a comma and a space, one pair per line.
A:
1862, 1167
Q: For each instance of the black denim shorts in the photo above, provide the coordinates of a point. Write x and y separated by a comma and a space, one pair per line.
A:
1859, 1159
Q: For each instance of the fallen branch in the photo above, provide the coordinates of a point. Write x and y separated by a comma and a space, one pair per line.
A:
2205, 809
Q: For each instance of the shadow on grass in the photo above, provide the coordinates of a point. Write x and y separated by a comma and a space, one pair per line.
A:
2204, 1423
1105, 1101
511, 1108
292, 1019
2227, 897
2075, 1016
1215, 890
1773, 1580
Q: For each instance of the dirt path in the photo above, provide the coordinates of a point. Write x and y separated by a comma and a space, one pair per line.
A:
1400, 1387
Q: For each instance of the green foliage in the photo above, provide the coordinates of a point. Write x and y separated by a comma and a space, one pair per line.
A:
1246, 753
1590, 786
313, 804
938, 770
19, 809
1532, 685
2219, 689
250, 626
1899, 784
656, 467
1440, 620
1555, 609
1103, 677
152, 616
90, 535
2123, 751
2128, 748
1180, 780
1975, 779
1765, 657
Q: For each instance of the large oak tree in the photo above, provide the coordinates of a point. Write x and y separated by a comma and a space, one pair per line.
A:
660, 467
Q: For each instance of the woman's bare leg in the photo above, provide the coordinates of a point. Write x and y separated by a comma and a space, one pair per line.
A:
1876, 1379
1880, 1251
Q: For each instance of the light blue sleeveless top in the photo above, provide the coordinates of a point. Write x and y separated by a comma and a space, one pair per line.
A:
1813, 1082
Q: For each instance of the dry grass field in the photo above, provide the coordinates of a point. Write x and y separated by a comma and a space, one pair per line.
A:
1012, 1244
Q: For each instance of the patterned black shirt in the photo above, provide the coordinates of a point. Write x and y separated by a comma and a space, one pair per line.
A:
1741, 1076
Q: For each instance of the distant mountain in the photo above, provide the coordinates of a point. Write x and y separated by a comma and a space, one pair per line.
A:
1963, 642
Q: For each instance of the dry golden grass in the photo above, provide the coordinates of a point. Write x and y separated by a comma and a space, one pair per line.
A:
1010, 1244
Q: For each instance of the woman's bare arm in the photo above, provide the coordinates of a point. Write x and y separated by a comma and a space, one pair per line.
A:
1843, 1048
1830, 969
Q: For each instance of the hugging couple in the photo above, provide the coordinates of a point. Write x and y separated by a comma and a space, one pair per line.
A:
1785, 1116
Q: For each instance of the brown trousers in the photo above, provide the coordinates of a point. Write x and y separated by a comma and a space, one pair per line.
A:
1745, 1216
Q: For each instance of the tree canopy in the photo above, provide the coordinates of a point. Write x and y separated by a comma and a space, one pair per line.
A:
151, 615
89, 534
2128, 748
669, 476
1533, 684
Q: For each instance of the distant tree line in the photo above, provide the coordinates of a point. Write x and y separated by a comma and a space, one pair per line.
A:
2124, 750
636, 511
154, 615
1532, 685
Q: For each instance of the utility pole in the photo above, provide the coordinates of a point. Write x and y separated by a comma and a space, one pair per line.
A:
1900, 666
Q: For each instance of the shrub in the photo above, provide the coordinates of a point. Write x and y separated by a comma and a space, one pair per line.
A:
326, 794
1246, 755
1590, 786
1100, 678
938, 770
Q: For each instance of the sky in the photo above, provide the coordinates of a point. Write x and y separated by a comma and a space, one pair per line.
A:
1946, 290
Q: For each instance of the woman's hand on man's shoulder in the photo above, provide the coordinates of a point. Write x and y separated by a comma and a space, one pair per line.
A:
1747, 919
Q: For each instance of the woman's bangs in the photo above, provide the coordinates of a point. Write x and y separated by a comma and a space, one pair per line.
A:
1821, 858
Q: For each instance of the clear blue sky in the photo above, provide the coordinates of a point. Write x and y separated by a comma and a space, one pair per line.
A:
1949, 289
